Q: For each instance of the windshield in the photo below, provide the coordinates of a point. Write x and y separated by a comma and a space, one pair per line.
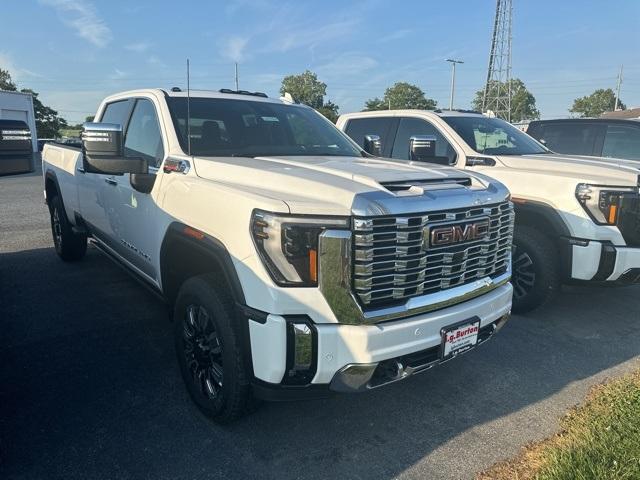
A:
224, 127
493, 136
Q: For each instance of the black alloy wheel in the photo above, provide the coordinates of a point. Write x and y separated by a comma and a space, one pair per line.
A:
203, 351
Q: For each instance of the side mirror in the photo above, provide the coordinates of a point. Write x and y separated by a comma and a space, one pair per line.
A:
373, 145
103, 151
422, 147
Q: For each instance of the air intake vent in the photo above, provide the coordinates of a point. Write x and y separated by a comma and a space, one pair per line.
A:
406, 185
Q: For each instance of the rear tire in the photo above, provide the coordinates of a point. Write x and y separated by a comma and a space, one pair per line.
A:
70, 246
536, 272
209, 349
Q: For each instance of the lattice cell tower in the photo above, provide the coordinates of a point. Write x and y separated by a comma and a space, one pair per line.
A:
497, 91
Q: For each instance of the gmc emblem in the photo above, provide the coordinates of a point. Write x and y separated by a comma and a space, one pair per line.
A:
458, 233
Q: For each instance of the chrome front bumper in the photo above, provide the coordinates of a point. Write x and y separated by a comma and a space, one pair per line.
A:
362, 377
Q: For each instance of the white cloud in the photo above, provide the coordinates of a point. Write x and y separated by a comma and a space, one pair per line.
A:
348, 63
234, 48
139, 47
397, 35
155, 61
309, 35
117, 74
18, 74
82, 17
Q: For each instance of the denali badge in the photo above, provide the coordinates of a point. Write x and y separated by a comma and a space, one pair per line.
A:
449, 234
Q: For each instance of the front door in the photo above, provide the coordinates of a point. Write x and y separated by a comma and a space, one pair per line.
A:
94, 189
132, 214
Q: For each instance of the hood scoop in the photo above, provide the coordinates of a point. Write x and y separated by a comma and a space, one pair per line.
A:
418, 187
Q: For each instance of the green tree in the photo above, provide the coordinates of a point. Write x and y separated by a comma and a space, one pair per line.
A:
6, 83
90, 118
48, 122
523, 103
307, 89
594, 105
401, 95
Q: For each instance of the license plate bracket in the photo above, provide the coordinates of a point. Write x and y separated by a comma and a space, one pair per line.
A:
459, 338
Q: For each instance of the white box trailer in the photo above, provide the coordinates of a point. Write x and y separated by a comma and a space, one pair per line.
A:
18, 136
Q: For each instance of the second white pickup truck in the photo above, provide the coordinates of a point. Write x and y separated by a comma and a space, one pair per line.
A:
297, 265
577, 219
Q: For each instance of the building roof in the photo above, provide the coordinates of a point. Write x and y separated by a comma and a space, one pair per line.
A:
630, 113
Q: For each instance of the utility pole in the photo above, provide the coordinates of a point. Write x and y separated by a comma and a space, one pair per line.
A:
453, 79
615, 105
237, 77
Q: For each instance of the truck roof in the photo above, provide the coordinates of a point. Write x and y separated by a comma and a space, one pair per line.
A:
397, 113
224, 93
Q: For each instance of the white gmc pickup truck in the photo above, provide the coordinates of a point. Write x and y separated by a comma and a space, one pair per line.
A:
577, 218
297, 264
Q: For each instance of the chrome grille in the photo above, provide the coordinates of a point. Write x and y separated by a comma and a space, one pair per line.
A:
391, 262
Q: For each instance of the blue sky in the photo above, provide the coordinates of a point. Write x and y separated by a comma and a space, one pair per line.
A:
74, 52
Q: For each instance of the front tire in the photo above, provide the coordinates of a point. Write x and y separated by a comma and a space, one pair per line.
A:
535, 270
69, 246
209, 350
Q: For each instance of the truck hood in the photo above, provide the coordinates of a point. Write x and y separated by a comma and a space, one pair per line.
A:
606, 171
323, 184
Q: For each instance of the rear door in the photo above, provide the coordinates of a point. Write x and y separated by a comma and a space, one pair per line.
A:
132, 214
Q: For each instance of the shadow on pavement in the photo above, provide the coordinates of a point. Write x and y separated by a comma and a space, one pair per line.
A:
89, 387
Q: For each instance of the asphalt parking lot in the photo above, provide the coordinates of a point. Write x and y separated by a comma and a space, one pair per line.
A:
89, 387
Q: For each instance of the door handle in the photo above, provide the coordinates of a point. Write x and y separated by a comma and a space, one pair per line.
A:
111, 181
80, 170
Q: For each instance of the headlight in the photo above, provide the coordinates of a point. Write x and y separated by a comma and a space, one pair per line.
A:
288, 245
603, 203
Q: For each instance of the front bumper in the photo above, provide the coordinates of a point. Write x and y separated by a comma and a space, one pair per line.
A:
360, 357
604, 262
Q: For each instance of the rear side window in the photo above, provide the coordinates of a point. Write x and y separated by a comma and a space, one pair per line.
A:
445, 154
116, 112
381, 126
572, 138
622, 141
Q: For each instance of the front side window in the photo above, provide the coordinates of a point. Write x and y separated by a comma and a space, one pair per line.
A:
622, 141
578, 138
492, 136
222, 127
143, 138
445, 154
116, 112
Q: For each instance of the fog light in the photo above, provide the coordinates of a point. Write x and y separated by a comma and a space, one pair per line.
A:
302, 346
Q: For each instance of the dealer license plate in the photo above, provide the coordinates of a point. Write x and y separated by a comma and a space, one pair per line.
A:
459, 338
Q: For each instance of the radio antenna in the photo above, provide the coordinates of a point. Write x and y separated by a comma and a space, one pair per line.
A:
188, 111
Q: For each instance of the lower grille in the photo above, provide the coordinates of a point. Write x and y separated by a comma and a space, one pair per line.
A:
394, 260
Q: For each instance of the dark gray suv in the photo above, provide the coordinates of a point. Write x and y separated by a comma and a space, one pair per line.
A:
597, 137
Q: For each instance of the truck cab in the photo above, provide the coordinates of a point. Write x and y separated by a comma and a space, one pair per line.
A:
296, 265
577, 219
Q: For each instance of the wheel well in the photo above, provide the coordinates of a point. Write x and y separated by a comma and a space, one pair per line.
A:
545, 220
184, 257
50, 187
